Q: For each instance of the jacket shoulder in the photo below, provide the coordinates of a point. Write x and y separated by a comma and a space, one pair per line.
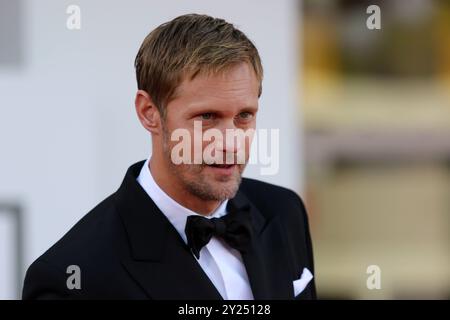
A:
88, 245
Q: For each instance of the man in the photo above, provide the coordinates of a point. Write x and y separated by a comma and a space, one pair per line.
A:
178, 228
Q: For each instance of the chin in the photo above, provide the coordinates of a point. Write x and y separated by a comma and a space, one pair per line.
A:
226, 190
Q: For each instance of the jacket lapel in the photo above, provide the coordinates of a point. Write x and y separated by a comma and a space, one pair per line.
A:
157, 257
266, 261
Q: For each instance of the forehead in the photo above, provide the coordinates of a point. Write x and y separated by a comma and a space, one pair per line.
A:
237, 85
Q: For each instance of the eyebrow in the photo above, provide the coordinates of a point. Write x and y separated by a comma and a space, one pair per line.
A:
212, 109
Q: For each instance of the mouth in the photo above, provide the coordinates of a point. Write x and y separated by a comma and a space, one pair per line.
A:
225, 169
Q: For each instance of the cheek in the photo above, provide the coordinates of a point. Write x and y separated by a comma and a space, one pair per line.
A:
177, 131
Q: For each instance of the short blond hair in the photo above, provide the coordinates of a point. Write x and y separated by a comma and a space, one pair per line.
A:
187, 46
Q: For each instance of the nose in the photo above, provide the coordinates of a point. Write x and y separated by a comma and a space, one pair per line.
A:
229, 142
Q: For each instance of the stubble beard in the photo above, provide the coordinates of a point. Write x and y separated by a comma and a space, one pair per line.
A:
196, 180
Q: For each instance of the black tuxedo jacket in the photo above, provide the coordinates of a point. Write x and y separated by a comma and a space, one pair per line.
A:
127, 249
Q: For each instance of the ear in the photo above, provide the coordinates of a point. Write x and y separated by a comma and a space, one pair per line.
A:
147, 112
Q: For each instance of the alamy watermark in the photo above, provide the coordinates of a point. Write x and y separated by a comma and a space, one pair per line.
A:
374, 279
74, 279
229, 148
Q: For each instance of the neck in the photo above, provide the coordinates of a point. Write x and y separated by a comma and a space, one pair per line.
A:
161, 174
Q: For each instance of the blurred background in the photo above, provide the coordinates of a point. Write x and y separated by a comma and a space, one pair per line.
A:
376, 111
364, 119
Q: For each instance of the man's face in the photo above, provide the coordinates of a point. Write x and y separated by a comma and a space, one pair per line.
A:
223, 102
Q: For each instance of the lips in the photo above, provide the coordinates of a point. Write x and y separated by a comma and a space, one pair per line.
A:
223, 169
222, 166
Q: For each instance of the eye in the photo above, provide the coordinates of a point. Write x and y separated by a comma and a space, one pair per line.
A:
246, 115
207, 116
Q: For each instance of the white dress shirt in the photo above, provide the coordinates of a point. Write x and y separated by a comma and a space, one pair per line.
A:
221, 263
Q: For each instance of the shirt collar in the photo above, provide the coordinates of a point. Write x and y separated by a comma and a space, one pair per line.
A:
175, 212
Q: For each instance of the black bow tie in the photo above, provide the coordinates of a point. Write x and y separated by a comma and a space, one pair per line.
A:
235, 228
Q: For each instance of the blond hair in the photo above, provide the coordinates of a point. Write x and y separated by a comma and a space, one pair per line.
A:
187, 46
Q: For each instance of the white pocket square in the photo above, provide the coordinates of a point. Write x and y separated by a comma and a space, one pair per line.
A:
300, 284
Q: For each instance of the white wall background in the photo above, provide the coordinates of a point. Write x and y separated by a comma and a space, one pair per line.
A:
68, 129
